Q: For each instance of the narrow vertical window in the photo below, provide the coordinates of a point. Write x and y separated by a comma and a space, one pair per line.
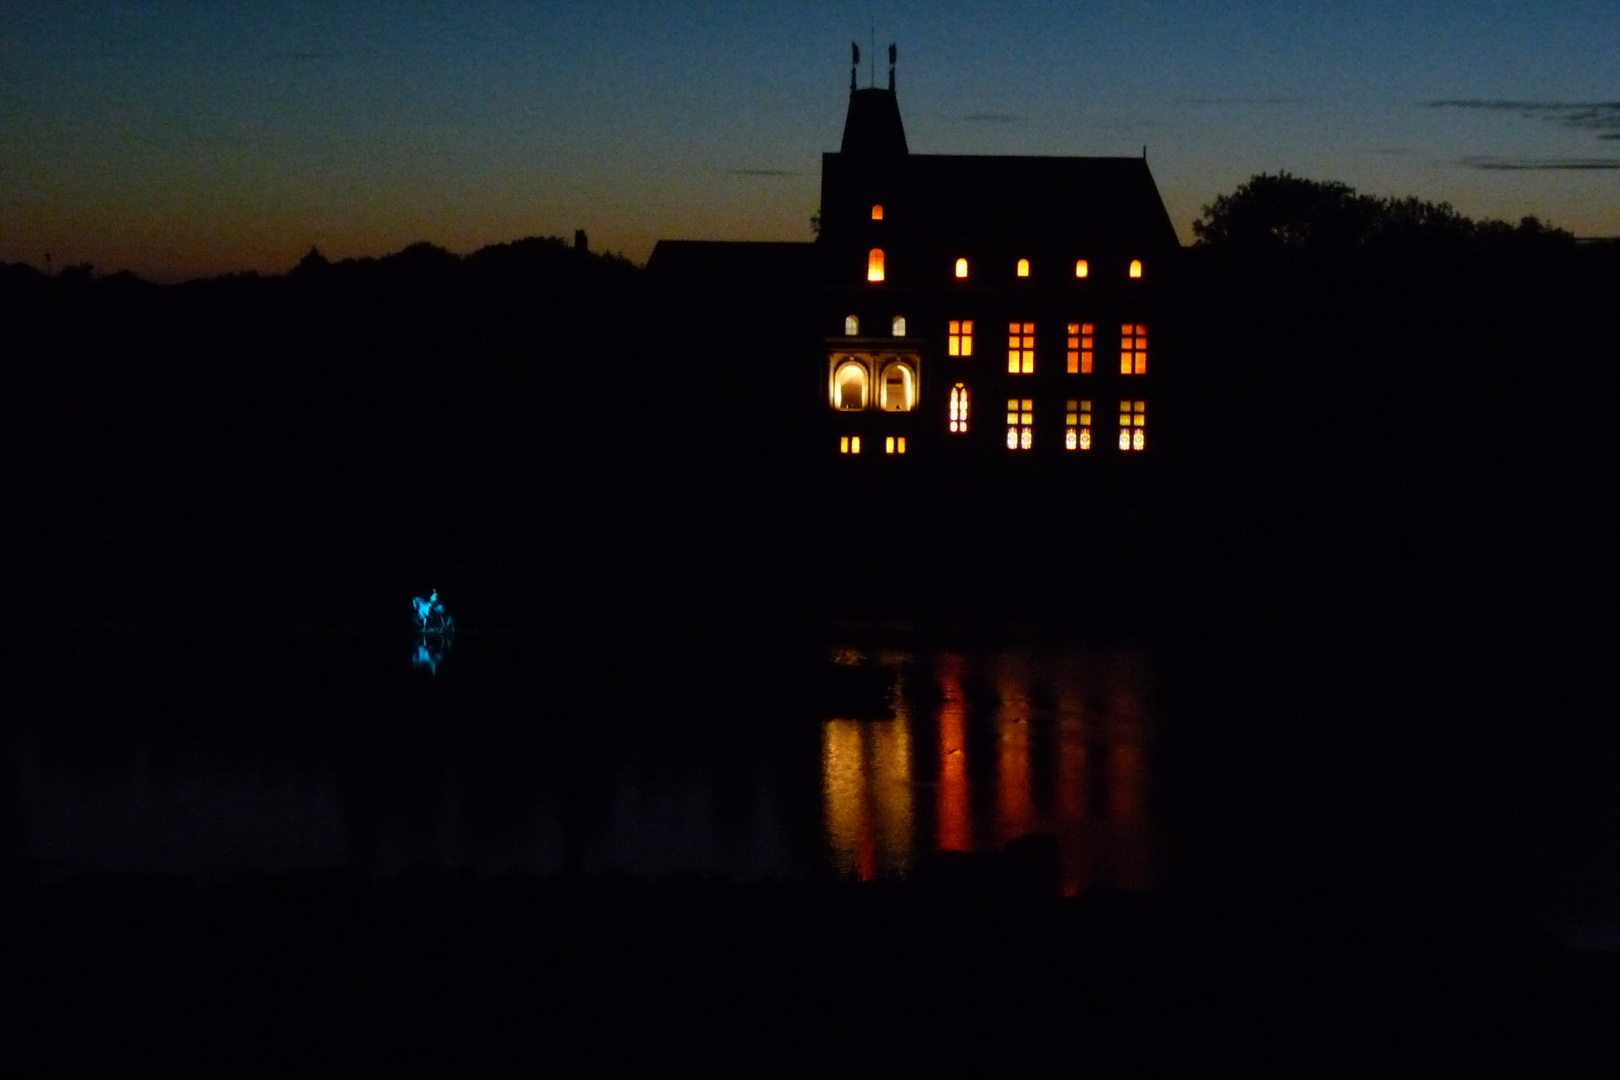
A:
877, 213
900, 445
1020, 420
961, 268
888, 445
959, 342
959, 409
854, 444
1136, 268
897, 326
874, 265
1020, 348
1023, 268
1082, 269
1133, 349
1132, 421
852, 326
1077, 425
1079, 354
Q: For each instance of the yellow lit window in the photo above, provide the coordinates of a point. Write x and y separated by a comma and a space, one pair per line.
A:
1132, 421
849, 444
877, 213
898, 390
1082, 269
1020, 420
897, 326
1136, 268
874, 265
852, 326
1020, 348
1077, 425
1023, 268
960, 340
1133, 349
849, 386
893, 445
1079, 355
961, 268
959, 409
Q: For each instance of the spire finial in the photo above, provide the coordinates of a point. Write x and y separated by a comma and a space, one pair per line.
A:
893, 54
854, 63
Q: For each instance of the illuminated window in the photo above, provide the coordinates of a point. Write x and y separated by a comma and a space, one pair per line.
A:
849, 386
1023, 268
1132, 420
877, 213
1079, 355
1020, 348
874, 265
1077, 425
897, 326
1020, 419
1136, 268
849, 444
898, 391
892, 445
959, 408
1133, 349
960, 341
852, 326
961, 268
1082, 269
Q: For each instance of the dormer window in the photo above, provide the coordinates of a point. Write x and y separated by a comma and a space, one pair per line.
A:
874, 265
1136, 268
897, 326
877, 213
961, 268
852, 326
1082, 269
1023, 268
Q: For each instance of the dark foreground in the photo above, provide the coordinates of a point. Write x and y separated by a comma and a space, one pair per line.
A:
973, 968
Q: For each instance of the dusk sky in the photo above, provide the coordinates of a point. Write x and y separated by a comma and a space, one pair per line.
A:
183, 139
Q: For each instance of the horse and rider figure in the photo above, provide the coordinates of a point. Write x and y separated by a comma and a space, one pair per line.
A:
431, 618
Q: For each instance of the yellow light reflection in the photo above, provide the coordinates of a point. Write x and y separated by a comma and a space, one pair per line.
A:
955, 831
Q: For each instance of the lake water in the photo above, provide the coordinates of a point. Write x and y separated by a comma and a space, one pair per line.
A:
1479, 778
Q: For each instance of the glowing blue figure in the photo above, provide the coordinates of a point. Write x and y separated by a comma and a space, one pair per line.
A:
425, 657
431, 618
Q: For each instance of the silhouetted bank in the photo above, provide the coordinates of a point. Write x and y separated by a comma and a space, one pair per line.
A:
1363, 436
979, 973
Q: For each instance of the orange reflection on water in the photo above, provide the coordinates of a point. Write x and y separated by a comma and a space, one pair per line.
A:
955, 831
866, 777
1015, 811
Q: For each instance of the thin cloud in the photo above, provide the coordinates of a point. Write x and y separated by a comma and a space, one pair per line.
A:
1541, 164
1602, 117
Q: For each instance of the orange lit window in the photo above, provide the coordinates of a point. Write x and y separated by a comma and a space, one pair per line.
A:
1077, 425
892, 445
1132, 419
1020, 348
961, 268
960, 341
1079, 355
852, 326
874, 265
1023, 268
1082, 269
1020, 419
849, 444
959, 409
1136, 268
1133, 349
877, 213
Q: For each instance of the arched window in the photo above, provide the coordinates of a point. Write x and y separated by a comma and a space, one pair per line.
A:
1136, 268
961, 268
877, 213
849, 386
852, 326
898, 326
959, 408
1082, 269
899, 389
874, 265
1023, 268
